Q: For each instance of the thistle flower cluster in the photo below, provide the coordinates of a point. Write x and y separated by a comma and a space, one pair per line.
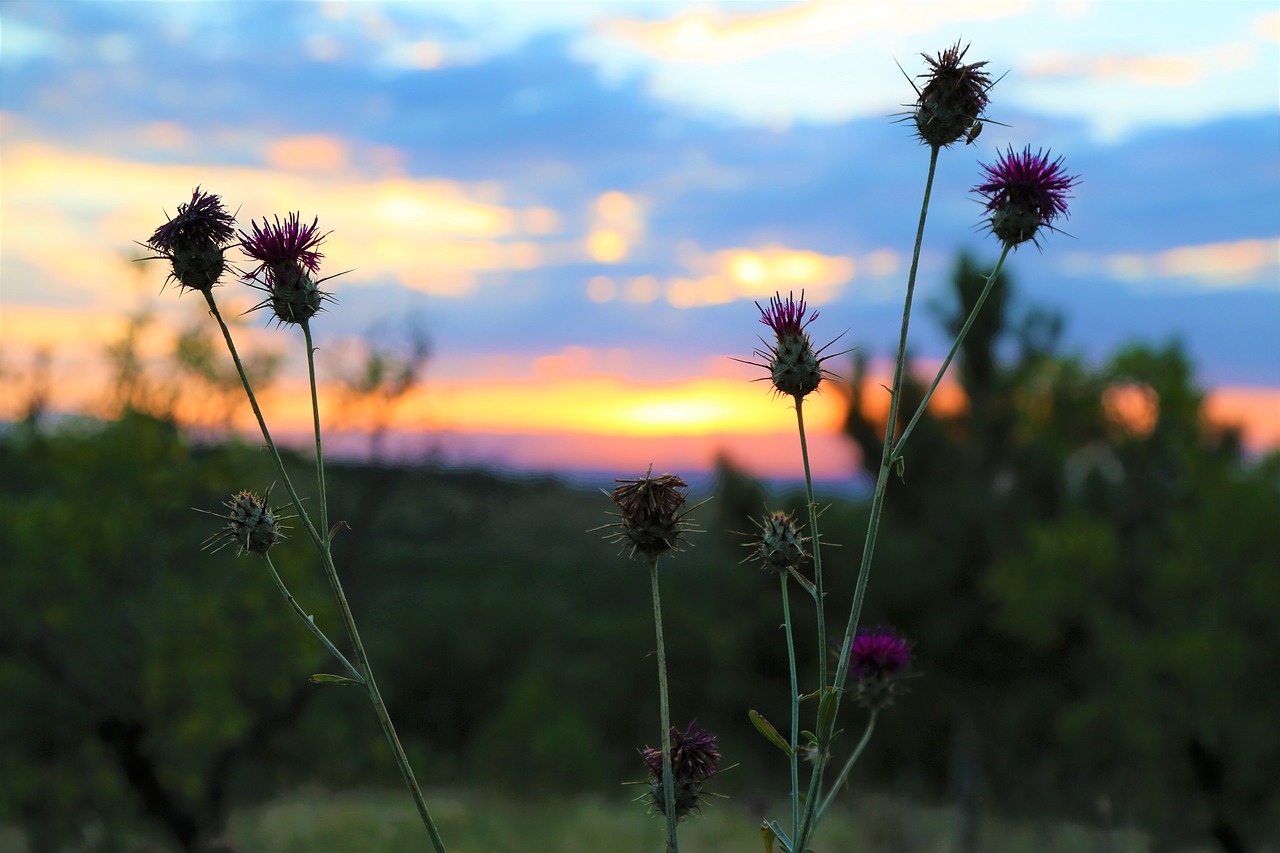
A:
649, 511
194, 240
695, 758
288, 259
252, 525
795, 367
1024, 192
954, 96
780, 542
878, 661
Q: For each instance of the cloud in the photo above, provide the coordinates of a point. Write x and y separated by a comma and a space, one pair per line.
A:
710, 35
1239, 264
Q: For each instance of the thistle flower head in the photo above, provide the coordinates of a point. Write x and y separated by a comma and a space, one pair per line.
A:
878, 660
951, 103
695, 758
287, 258
649, 511
779, 543
193, 241
1024, 193
794, 366
252, 524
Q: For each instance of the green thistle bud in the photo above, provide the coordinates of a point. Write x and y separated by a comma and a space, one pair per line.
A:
780, 544
252, 525
950, 105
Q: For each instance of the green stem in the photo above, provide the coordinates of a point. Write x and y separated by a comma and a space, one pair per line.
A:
955, 347
882, 481
321, 546
310, 621
887, 457
795, 709
262, 423
848, 766
817, 551
315, 417
664, 710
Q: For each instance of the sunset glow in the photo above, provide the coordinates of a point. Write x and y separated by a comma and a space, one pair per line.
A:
576, 206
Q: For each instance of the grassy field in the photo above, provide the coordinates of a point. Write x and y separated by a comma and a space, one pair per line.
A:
385, 822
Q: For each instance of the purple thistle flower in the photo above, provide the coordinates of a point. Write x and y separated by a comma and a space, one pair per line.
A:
1025, 192
786, 317
794, 366
287, 259
695, 758
283, 246
878, 658
193, 240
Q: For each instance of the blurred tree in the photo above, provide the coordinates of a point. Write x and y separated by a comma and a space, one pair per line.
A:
207, 379
138, 674
1088, 567
376, 373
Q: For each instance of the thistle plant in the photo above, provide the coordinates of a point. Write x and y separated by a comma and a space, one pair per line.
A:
651, 524
195, 242
1024, 195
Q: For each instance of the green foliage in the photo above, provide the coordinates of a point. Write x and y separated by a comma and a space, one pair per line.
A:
133, 665
1089, 570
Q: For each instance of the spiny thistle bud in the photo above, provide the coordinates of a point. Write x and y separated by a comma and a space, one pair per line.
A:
252, 525
794, 366
780, 543
695, 758
951, 103
649, 509
878, 660
1025, 192
193, 241
287, 260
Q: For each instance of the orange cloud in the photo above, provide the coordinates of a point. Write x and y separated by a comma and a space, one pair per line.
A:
1172, 71
313, 153
743, 273
1214, 266
432, 235
709, 35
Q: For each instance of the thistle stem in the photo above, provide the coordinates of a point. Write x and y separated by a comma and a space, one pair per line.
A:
315, 417
848, 766
877, 499
819, 599
887, 456
322, 547
310, 621
955, 347
795, 709
668, 785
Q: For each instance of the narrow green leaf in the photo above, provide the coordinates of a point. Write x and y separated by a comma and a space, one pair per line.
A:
766, 728
771, 831
827, 707
326, 678
767, 836
804, 582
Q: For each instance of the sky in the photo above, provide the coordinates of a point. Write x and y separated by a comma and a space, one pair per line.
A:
577, 204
